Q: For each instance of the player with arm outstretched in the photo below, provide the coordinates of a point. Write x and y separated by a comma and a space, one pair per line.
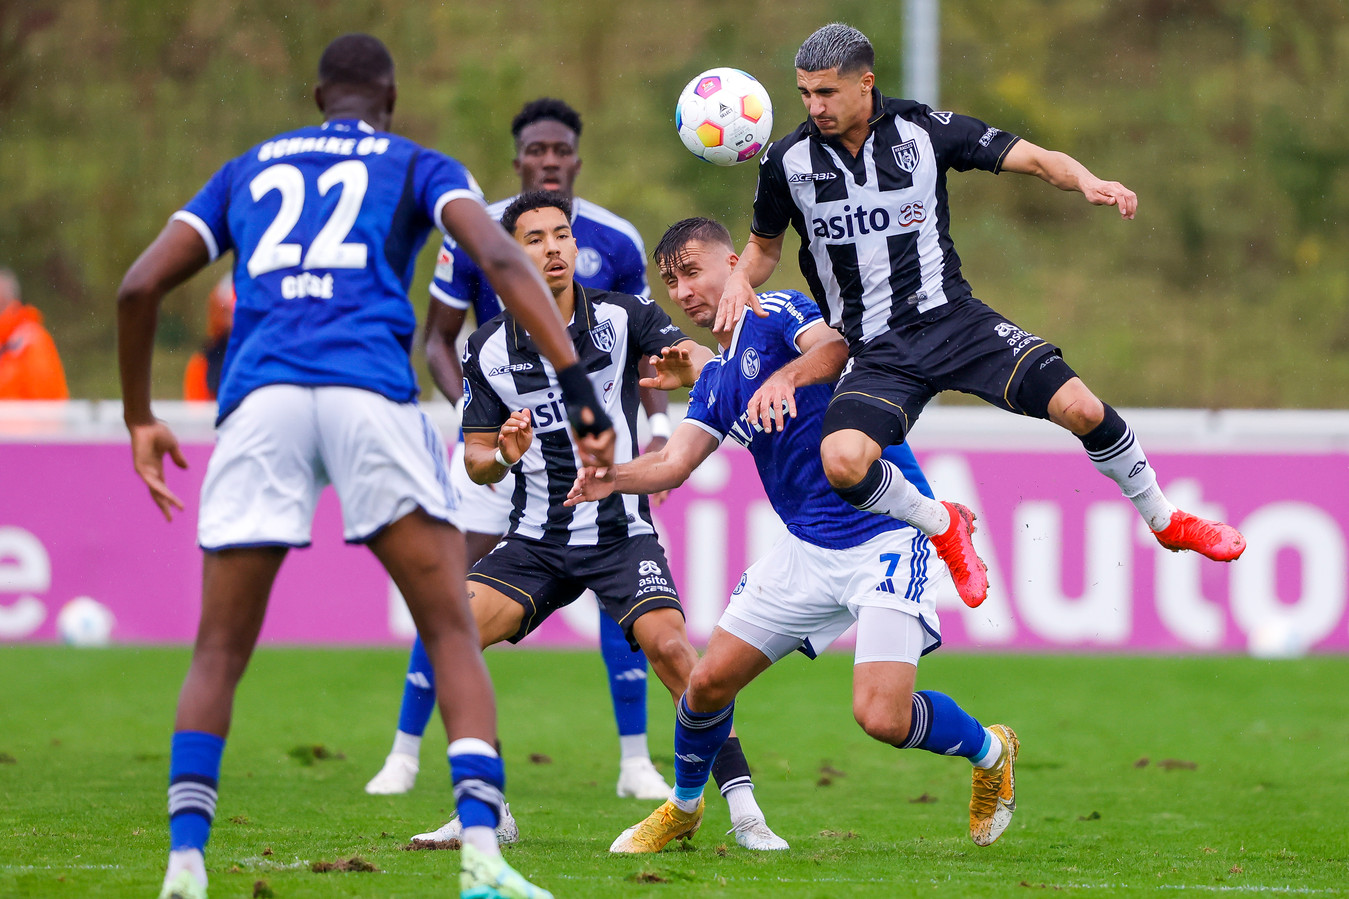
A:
325, 222
610, 257
863, 182
768, 391
553, 552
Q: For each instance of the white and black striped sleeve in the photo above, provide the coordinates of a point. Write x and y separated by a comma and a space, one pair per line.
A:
651, 330
963, 142
773, 206
484, 412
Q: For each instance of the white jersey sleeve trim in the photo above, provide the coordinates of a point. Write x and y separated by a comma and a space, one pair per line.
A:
587, 209
194, 220
796, 338
706, 427
452, 301
453, 195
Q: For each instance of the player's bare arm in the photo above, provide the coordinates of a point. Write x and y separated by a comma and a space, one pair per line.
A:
443, 324
489, 456
824, 352
649, 473
1066, 173
677, 366
174, 256
756, 266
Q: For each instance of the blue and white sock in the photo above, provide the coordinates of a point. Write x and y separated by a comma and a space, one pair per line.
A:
698, 739
419, 701
194, 777
939, 725
627, 687
479, 778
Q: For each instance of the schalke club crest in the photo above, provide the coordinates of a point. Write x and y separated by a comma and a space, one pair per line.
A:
602, 336
906, 156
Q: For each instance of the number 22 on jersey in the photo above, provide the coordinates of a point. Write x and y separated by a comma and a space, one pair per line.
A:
329, 248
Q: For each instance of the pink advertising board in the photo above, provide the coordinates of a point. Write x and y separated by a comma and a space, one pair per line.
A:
1071, 567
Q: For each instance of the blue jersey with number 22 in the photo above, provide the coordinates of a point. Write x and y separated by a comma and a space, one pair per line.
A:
325, 223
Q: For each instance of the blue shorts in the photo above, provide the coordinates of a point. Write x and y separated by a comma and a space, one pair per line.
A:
630, 577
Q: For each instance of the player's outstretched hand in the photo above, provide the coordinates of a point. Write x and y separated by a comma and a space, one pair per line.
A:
515, 436
734, 298
591, 485
674, 369
149, 443
1112, 193
773, 403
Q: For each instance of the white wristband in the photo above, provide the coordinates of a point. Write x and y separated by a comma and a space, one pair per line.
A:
659, 425
501, 460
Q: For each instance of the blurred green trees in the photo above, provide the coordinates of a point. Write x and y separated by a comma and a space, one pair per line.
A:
1230, 118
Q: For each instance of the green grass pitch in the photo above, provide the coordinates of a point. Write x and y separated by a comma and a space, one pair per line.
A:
1245, 788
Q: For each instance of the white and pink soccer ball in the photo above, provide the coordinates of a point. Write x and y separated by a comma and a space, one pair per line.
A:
724, 116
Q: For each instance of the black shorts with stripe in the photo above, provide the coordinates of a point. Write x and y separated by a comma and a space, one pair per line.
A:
630, 577
966, 347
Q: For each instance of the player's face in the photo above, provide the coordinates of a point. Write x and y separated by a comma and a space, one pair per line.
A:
837, 104
696, 277
545, 157
546, 236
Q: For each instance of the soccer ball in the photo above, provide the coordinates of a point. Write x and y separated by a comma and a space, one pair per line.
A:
85, 622
724, 116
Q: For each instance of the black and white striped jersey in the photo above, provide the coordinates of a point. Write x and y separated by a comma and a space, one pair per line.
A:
504, 371
875, 242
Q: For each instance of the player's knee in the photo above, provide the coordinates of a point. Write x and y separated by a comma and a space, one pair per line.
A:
670, 655
707, 692
882, 721
1082, 414
1074, 407
845, 463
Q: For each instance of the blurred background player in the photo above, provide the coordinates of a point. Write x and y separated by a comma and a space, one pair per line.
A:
201, 379
325, 222
836, 566
610, 257
863, 182
553, 552
30, 367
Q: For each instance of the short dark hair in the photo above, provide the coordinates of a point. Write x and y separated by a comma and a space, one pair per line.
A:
683, 232
360, 59
836, 46
549, 108
534, 199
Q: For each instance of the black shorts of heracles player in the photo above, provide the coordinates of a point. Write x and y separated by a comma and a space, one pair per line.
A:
629, 576
965, 346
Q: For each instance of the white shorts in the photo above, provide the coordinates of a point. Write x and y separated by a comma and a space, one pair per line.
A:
483, 508
276, 452
802, 596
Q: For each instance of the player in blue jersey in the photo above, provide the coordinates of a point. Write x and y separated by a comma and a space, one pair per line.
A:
325, 223
768, 390
610, 257
553, 553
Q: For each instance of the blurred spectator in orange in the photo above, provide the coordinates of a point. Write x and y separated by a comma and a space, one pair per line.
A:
30, 368
202, 378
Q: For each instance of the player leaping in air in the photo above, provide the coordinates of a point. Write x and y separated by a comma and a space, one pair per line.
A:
863, 182
554, 552
325, 223
835, 566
